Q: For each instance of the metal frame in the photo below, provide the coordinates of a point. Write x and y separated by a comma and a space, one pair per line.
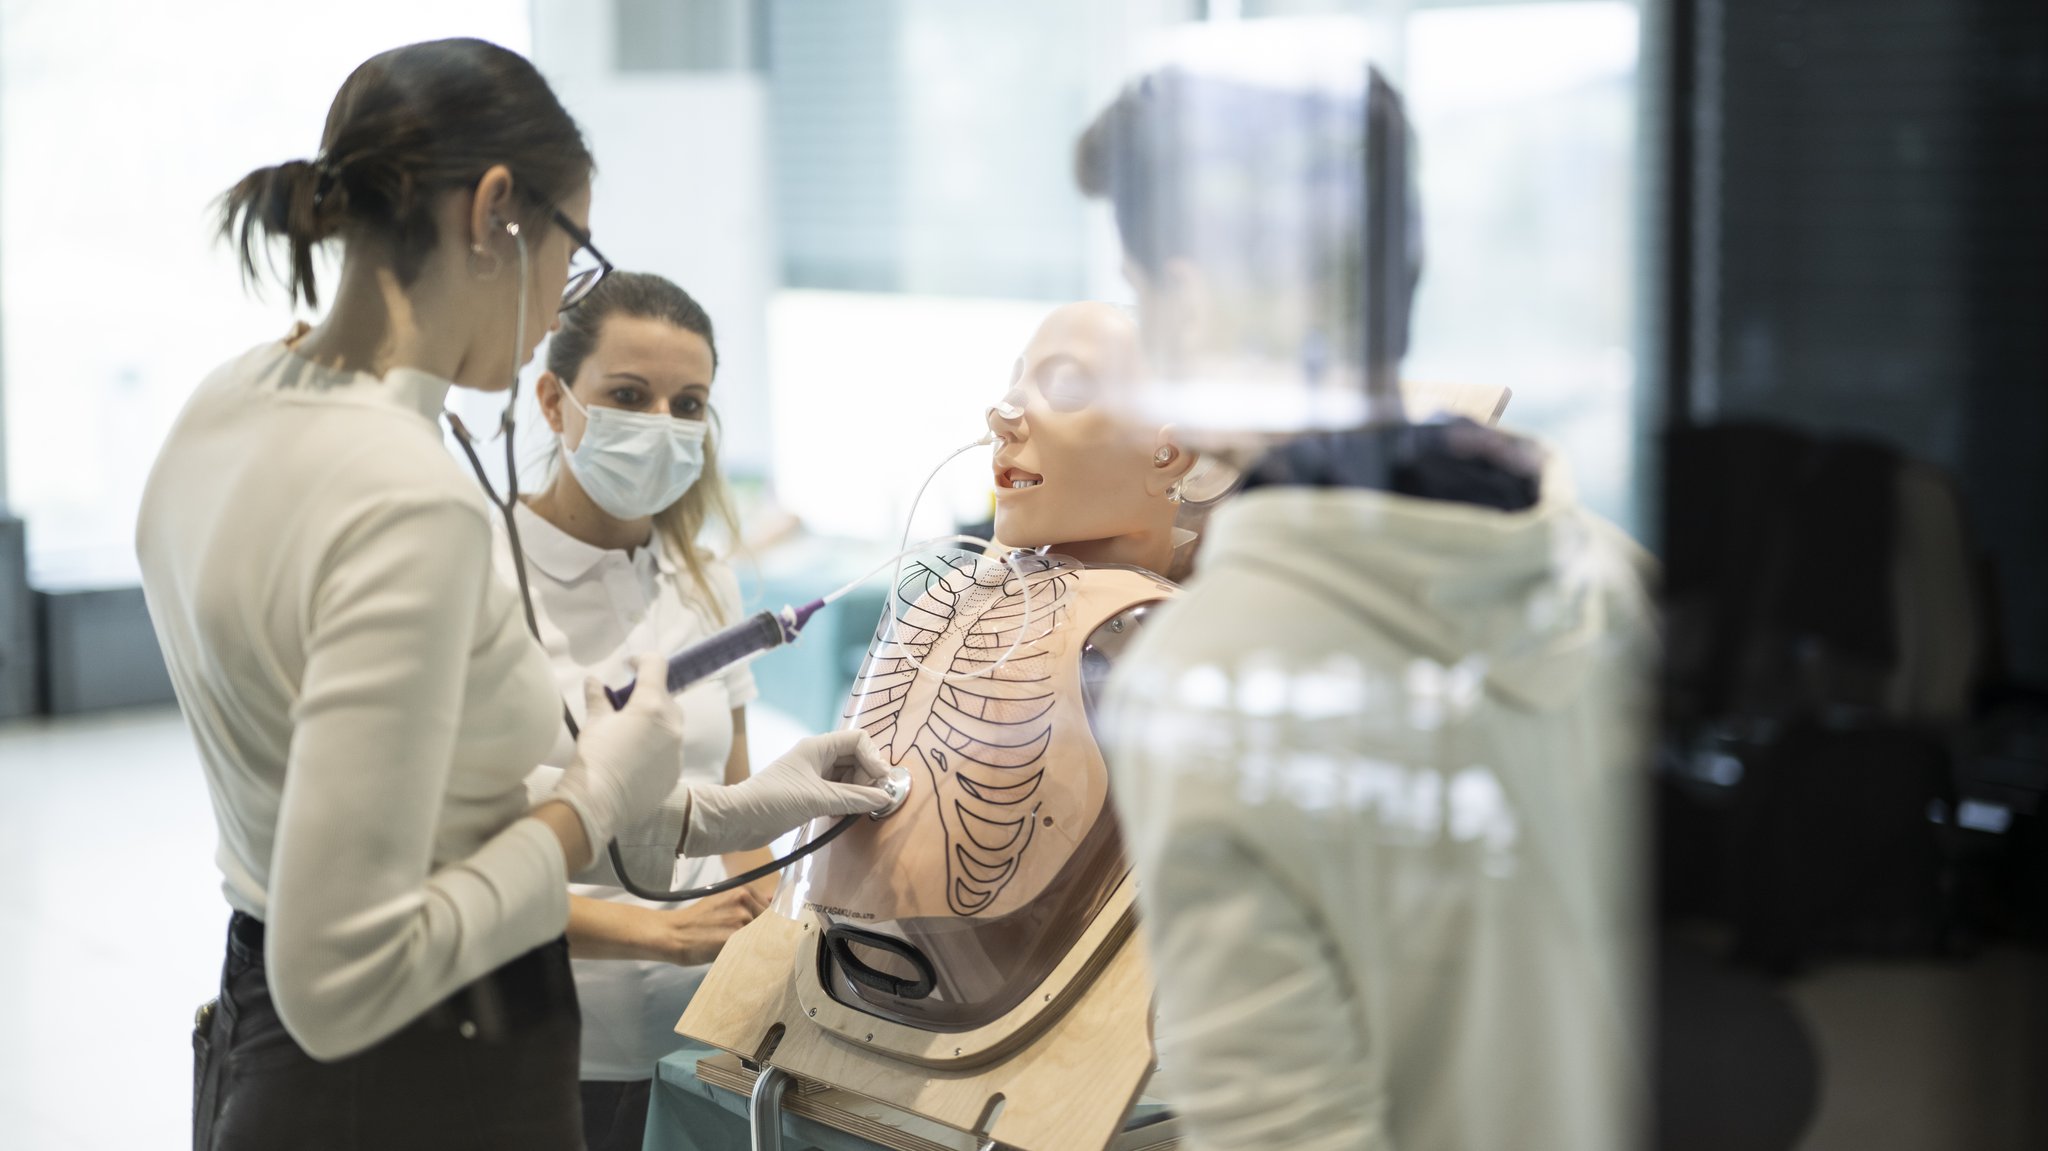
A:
764, 1109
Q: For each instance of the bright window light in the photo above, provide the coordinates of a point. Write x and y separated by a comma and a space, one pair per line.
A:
119, 124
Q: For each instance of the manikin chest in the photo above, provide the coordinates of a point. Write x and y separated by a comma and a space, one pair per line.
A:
1008, 846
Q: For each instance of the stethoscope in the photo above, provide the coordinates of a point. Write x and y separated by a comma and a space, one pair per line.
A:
742, 641
506, 505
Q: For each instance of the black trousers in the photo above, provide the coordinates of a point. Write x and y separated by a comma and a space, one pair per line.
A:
491, 1068
615, 1113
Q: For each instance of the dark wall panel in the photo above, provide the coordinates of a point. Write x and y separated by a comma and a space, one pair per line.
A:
1874, 247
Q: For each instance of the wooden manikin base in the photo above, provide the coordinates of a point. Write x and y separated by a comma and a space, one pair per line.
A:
886, 1126
960, 1050
1065, 1087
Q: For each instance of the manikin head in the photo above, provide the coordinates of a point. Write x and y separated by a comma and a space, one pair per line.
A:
1073, 471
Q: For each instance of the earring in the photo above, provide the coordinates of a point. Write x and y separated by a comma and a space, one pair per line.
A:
1174, 495
1163, 456
476, 265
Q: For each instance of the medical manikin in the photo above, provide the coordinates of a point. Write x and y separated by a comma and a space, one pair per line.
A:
982, 681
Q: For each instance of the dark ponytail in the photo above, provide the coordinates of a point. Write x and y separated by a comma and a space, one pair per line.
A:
285, 202
407, 124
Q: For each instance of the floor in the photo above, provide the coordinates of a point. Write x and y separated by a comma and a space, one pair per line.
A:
112, 917
111, 926
1928, 1057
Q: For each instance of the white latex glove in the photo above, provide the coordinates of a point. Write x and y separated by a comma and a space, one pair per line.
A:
790, 792
627, 761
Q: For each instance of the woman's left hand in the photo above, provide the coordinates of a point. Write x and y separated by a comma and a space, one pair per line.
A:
695, 933
688, 935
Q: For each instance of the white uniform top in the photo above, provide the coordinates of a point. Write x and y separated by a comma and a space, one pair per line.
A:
361, 687
597, 608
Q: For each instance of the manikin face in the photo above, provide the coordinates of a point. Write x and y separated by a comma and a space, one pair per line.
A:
1073, 467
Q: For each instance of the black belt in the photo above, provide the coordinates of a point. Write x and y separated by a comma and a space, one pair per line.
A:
245, 936
518, 991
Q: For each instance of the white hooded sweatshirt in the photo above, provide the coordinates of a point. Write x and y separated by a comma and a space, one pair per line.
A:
1379, 770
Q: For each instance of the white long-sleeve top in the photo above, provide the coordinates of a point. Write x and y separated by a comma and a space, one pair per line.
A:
364, 694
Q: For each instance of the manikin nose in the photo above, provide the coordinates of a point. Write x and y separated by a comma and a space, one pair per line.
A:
1002, 417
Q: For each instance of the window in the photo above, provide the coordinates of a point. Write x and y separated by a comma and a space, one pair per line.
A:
901, 170
119, 124
1526, 120
925, 158
925, 146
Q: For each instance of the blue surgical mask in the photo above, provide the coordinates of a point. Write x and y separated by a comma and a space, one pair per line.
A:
634, 464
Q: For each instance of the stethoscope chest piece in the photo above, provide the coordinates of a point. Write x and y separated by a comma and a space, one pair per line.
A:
898, 787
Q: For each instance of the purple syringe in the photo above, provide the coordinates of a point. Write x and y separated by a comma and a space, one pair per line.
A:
755, 634
766, 630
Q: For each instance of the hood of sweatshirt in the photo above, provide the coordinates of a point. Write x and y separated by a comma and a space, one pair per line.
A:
1530, 593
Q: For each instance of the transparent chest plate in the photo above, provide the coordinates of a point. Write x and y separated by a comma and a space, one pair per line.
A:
949, 913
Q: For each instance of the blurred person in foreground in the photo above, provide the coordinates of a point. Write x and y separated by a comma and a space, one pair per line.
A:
1378, 767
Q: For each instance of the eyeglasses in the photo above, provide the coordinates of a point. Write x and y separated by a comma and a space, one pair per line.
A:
587, 265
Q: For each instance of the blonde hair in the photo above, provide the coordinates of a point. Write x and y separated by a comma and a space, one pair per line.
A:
680, 523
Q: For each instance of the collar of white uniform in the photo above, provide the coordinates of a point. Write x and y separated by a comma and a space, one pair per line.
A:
564, 557
423, 392
407, 388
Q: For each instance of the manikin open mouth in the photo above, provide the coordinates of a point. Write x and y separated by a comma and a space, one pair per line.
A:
1016, 479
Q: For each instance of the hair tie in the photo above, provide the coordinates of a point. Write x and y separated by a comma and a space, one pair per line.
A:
325, 178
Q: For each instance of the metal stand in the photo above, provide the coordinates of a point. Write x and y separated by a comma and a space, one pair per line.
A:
764, 1108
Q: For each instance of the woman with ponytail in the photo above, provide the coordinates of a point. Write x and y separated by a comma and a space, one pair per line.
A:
365, 696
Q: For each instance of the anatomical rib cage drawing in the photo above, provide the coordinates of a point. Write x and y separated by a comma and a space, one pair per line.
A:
970, 959
954, 913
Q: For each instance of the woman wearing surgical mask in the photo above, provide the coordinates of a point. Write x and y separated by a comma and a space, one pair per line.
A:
365, 696
615, 567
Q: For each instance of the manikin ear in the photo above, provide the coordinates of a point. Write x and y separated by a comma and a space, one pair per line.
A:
1165, 472
490, 207
547, 392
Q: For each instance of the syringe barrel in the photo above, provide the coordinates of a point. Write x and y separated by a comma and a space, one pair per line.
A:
756, 633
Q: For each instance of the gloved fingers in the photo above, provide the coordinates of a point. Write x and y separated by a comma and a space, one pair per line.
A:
848, 755
595, 703
650, 682
868, 760
852, 799
650, 693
